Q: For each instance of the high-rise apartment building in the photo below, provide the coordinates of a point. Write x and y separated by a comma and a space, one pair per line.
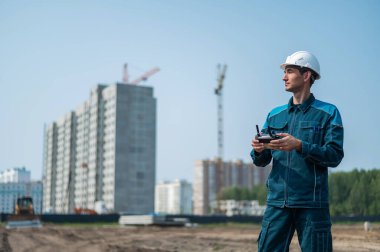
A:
103, 151
16, 182
174, 197
211, 176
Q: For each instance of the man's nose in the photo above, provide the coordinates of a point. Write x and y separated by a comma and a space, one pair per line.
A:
285, 77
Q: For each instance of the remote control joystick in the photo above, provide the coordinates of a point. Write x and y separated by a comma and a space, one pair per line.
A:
266, 138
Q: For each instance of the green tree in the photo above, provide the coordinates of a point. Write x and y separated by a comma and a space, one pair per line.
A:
258, 192
356, 192
374, 193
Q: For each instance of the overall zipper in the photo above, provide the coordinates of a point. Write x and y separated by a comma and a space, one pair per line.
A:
315, 181
288, 155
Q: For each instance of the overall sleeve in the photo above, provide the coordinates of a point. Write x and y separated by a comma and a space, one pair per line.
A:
330, 154
262, 159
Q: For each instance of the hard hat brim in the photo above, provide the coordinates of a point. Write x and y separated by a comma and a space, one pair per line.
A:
284, 65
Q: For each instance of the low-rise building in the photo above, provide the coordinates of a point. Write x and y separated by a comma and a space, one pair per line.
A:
241, 207
173, 197
14, 183
17, 174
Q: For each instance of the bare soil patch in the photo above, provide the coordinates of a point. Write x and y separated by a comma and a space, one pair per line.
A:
233, 238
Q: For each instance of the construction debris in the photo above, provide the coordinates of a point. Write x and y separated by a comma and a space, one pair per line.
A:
149, 220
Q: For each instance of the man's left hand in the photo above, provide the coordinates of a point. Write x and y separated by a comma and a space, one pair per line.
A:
286, 143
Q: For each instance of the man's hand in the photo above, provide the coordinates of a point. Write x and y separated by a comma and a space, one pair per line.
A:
286, 143
258, 147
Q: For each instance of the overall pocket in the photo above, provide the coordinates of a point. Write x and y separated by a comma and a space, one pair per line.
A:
311, 132
321, 240
279, 127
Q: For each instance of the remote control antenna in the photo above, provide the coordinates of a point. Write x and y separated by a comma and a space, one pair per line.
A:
258, 131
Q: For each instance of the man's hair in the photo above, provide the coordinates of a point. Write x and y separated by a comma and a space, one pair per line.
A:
304, 70
313, 74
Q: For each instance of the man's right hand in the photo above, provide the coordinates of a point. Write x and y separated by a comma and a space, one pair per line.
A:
258, 147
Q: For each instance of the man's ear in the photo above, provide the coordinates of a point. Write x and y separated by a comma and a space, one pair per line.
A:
307, 76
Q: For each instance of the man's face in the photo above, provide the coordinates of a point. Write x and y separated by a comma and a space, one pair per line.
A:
294, 80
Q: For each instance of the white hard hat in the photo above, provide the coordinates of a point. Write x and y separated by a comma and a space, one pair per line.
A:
303, 59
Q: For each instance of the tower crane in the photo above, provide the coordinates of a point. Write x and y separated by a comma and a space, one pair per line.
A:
125, 73
143, 77
221, 73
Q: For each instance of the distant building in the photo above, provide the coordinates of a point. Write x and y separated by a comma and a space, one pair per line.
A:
103, 151
174, 197
242, 207
17, 174
14, 183
211, 176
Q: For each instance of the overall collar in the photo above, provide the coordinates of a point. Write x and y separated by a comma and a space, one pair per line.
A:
304, 106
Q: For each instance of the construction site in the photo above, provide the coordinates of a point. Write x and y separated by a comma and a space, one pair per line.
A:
89, 221
119, 135
96, 237
25, 231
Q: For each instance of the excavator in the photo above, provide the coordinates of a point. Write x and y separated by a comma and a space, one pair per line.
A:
23, 216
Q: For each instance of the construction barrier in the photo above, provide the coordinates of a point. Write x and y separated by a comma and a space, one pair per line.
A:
73, 218
200, 219
209, 219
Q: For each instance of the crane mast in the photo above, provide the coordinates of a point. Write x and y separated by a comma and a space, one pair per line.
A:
221, 73
125, 74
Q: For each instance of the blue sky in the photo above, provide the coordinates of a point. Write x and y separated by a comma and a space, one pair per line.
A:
53, 52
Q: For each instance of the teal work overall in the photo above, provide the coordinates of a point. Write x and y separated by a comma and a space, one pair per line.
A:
298, 182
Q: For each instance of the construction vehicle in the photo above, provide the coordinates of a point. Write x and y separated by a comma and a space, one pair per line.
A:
100, 208
85, 211
23, 216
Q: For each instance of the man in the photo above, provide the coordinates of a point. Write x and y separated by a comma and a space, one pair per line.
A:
311, 140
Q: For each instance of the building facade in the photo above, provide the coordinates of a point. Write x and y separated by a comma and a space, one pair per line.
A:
173, 197
242, 207
17, 174
211, 176
14, 183
103, 151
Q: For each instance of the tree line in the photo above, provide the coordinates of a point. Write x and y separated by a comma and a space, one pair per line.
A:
351, 193
258, 192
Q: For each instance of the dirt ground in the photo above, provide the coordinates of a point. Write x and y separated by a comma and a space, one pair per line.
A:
231, 238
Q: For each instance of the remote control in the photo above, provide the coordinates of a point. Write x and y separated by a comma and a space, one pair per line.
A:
266, 138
